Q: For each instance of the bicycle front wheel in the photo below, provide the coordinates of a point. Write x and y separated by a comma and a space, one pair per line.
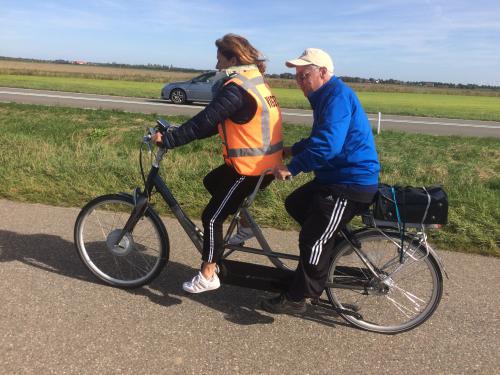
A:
137, 258
401, 296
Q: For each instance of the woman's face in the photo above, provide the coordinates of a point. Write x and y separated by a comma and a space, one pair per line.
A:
223, 62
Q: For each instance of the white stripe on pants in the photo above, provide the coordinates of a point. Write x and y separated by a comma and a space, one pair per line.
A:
337, 213
212, 220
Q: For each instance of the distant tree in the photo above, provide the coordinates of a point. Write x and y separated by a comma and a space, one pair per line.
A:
463, 86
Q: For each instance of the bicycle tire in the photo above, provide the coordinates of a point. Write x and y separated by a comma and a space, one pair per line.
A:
140, 255
403, 301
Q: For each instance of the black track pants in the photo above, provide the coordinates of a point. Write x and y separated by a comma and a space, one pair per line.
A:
321, 212
228, 190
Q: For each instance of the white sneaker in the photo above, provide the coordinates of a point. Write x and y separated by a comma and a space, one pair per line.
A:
199, 284
243, 234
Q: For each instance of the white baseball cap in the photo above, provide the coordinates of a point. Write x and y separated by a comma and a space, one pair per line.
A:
313, 56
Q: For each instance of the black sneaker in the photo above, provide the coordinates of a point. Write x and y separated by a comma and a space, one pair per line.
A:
282, 305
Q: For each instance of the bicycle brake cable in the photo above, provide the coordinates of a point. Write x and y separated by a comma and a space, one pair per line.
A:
140, 164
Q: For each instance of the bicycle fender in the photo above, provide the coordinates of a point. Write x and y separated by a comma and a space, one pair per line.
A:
126, 195
131, 198
438, 260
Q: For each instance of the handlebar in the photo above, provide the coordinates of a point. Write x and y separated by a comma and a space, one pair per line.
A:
162, 126
251, 197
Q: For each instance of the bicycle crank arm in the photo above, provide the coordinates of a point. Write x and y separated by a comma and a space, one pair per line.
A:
327, 305
348, 312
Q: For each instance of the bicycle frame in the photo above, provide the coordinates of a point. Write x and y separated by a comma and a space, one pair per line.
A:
195, 234
363, 273
155, 181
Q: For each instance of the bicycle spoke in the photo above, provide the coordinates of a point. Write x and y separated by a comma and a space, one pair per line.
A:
408, 296
412, 297
144, 259
139, 256
136, 267
400, 307
410, 273
118, 266
101, 227
390, 263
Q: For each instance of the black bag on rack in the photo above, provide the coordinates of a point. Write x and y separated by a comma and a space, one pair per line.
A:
425, 205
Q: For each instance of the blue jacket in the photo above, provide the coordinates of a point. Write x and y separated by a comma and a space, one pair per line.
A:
340, 148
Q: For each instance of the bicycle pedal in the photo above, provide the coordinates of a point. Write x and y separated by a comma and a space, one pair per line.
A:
320, 302
314, 301
348, 312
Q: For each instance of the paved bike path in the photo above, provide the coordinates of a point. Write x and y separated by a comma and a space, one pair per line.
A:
56, 318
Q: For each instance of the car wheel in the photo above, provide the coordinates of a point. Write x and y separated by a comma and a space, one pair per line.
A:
178, 96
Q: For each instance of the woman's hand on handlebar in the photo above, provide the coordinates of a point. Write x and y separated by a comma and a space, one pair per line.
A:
164, 140
157, 138
282, 173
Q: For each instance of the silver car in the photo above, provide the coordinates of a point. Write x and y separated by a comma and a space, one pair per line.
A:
198, 89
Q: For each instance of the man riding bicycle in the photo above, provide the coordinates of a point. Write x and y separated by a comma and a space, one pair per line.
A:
341, 152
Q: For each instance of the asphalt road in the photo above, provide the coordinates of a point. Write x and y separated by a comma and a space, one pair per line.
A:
55, 318
426, 125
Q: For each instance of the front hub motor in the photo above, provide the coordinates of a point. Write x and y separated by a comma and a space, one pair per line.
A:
123, 248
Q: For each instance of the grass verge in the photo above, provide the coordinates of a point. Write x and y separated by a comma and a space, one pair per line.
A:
65, 156
411, 104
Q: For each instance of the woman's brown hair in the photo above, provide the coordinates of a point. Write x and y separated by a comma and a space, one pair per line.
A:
232, 45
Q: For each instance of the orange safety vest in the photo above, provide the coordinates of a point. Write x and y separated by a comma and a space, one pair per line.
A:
257, 145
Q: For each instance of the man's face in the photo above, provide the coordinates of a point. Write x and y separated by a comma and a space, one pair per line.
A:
309, 78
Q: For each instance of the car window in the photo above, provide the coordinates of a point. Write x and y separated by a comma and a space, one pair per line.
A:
205, 77
211, 76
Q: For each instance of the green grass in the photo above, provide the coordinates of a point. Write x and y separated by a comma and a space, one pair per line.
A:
84, 85
65, 156
412, 104
433, 105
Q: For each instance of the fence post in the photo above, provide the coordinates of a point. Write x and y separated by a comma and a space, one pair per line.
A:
379, 120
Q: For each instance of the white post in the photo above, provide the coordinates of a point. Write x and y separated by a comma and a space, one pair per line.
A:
378, 124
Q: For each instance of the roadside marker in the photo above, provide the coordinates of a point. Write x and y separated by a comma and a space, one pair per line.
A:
378, 123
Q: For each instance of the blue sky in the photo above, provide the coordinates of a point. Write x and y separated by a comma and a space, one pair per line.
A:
449, 41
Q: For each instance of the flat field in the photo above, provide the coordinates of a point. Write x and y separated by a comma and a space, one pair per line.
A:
163, 76
388, 99
91, 71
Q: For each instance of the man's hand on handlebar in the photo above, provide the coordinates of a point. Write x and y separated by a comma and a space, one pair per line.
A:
287, 152
282, 173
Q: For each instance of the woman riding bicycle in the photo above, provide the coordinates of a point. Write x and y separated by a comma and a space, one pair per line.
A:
247, 118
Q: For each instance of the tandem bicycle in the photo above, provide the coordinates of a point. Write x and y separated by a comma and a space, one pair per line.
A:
377, 280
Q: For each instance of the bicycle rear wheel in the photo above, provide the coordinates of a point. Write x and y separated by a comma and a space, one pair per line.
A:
140, 255
407, 295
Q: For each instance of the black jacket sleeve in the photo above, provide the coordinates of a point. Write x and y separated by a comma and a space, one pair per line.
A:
229, 101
